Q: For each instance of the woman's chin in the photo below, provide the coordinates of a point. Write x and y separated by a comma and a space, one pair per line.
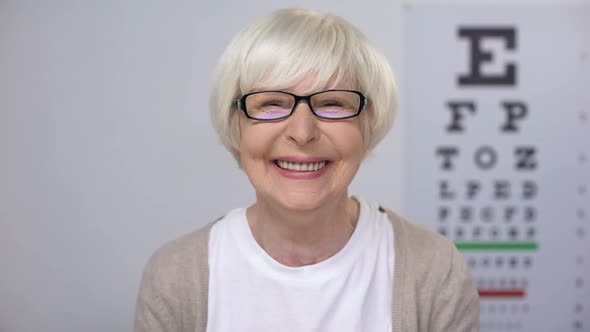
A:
297, 202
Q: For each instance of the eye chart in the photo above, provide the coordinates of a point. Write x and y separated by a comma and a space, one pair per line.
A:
497, 106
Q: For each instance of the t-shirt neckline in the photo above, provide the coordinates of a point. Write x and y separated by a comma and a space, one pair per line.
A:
334, 265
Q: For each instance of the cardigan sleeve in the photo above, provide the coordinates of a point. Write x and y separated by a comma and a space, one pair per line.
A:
158, 301
456, 301
174, 287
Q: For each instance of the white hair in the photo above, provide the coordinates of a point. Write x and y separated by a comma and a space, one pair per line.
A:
282, 49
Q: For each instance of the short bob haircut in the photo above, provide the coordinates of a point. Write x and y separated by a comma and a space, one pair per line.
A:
282, 49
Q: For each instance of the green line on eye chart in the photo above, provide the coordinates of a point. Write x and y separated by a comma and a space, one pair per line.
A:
476, 246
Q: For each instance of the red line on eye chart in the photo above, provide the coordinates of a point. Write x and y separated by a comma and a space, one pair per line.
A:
501, 293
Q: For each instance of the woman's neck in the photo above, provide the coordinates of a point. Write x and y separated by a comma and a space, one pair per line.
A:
298, 238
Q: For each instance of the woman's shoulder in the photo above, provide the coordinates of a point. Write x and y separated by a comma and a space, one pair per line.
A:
426, 257
185, 251
430, 262
419, 241
173, 288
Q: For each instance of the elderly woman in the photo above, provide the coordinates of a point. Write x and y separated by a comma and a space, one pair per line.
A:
300, 98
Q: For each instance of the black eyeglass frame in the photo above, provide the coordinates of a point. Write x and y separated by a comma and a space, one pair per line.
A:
241, 104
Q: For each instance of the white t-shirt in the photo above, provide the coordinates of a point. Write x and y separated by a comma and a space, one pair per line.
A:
350, 291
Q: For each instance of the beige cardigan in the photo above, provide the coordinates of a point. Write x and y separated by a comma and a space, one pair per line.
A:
432, 291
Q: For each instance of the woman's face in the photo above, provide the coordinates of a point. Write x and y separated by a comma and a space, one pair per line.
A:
301, 163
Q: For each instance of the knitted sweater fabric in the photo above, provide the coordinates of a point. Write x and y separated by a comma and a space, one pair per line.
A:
433, 290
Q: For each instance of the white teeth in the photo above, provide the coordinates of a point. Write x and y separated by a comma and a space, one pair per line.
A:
301, 167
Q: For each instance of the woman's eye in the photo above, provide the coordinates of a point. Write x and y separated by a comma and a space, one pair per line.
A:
331, 104
273, 103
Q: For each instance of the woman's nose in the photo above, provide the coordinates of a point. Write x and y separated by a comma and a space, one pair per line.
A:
302, 126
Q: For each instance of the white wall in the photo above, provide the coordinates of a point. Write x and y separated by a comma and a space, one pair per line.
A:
106, 150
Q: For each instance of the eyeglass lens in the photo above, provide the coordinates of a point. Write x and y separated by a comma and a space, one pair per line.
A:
329, 104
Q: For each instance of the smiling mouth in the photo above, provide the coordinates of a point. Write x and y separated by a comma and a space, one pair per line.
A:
301, 167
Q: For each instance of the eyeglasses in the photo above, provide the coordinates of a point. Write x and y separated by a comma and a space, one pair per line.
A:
277, 105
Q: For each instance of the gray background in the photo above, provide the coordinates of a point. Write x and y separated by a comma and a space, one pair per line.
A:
106, 150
